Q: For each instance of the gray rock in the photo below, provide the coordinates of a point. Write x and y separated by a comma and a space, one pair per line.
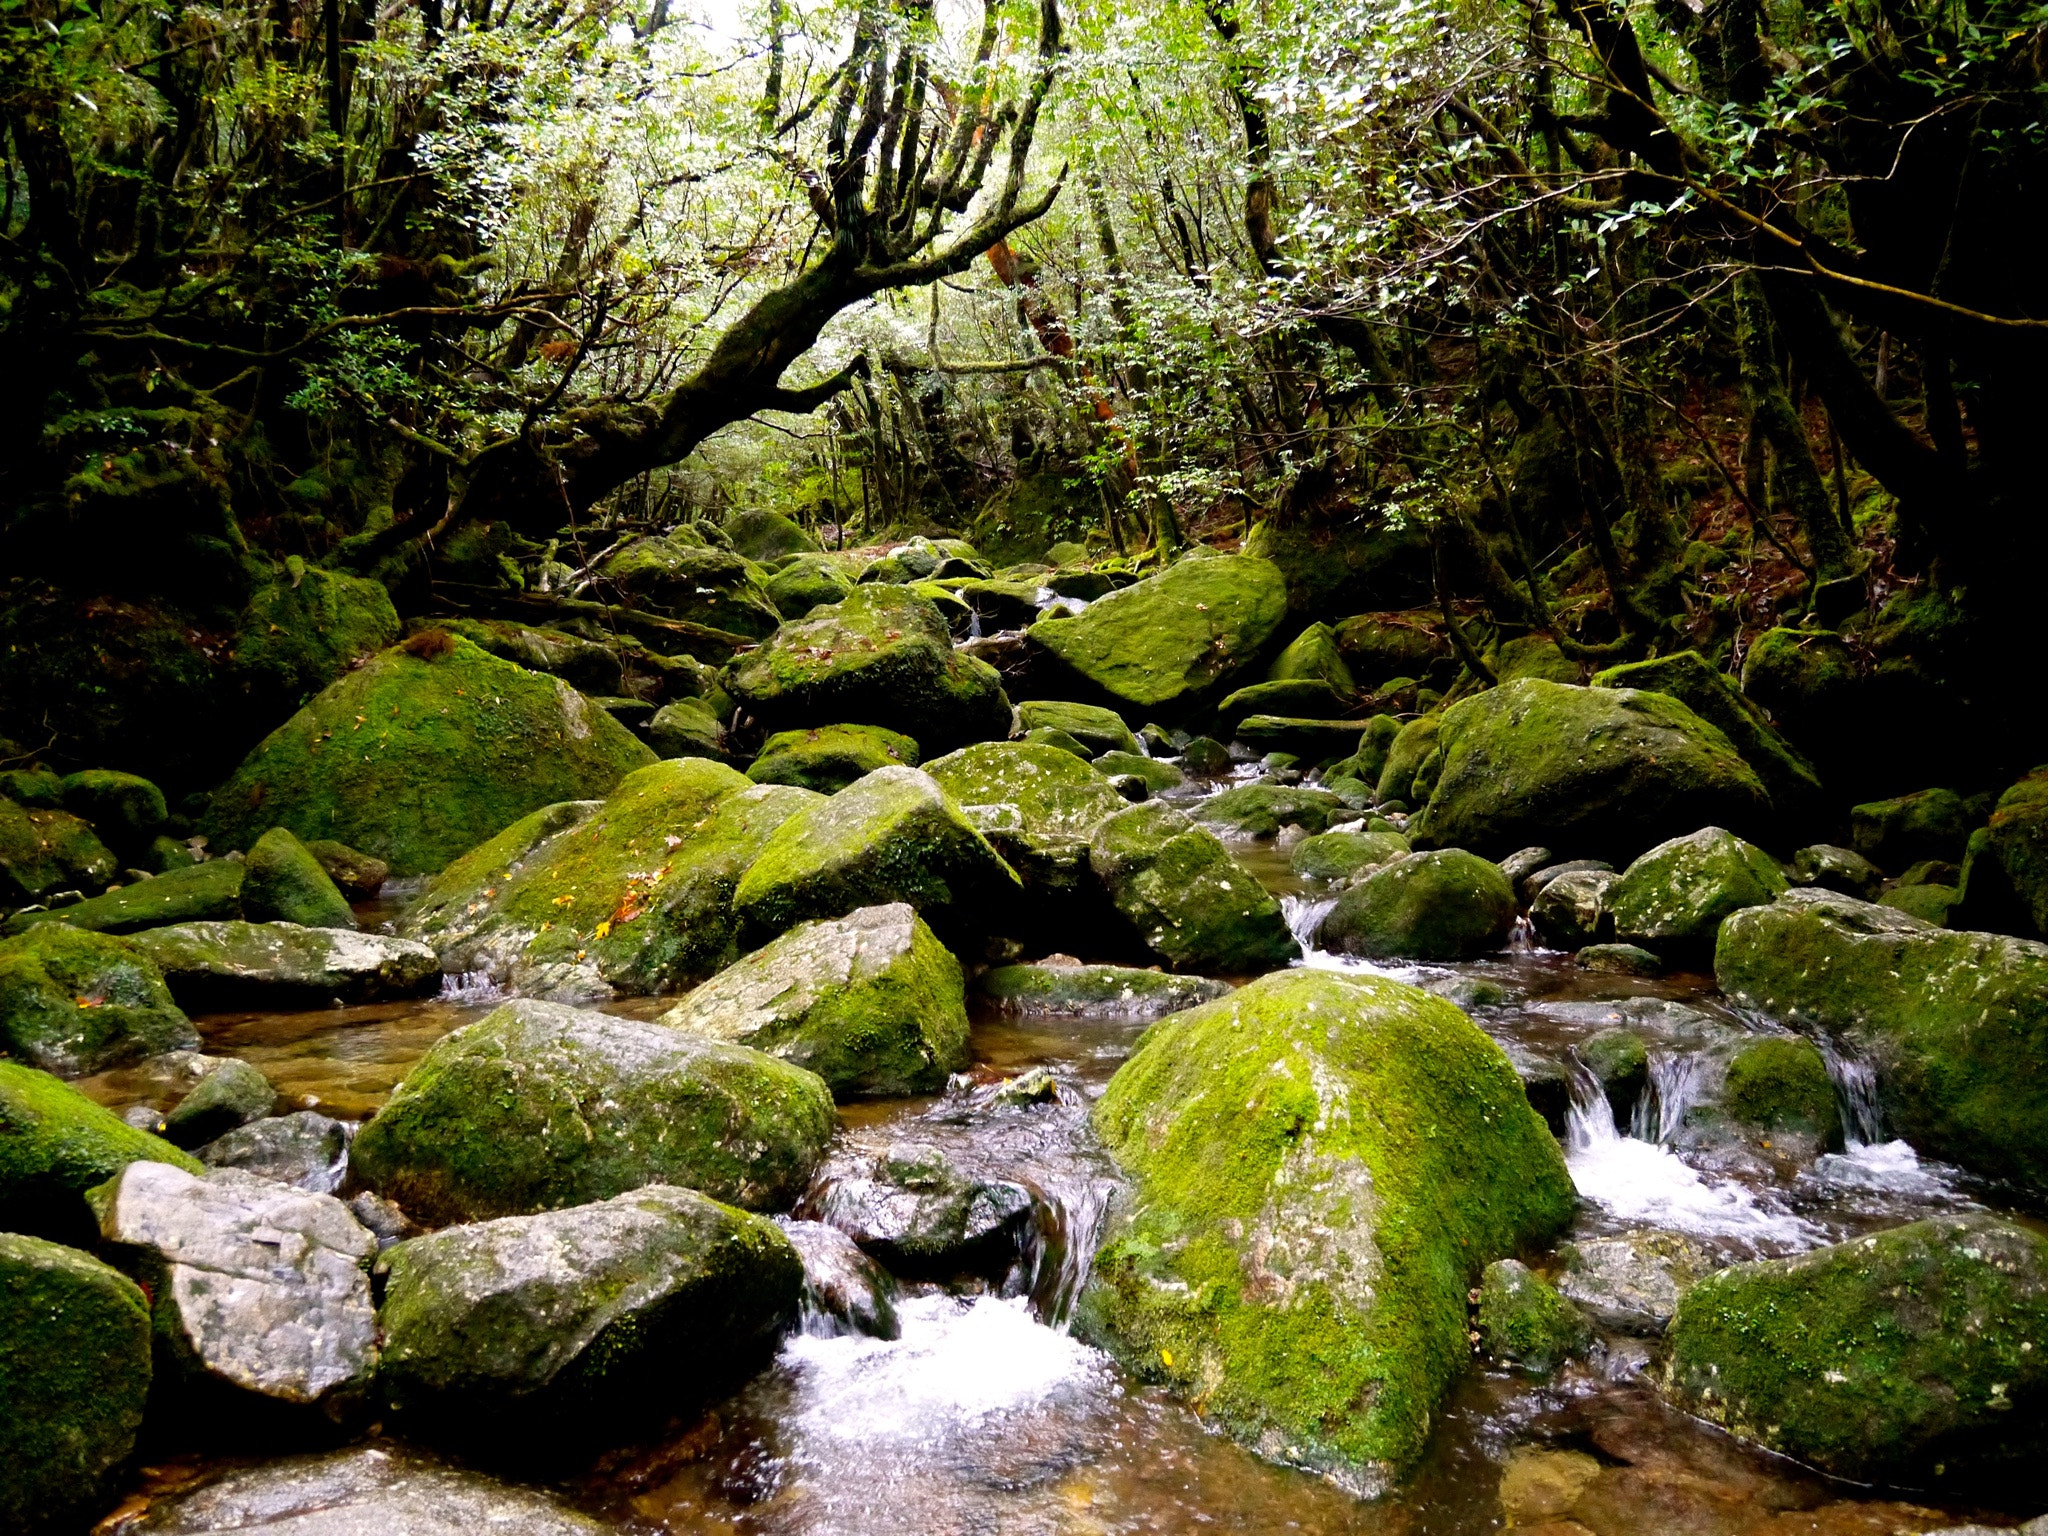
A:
845, 1291
1520, 865
1069, 990
255, 1284
1531, 884
366, 1491
1632, 1282
1570, 911
921, 1215
304, 1150
219, 964
232, 1094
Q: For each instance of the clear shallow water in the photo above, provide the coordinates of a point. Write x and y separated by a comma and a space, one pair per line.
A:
983, 1418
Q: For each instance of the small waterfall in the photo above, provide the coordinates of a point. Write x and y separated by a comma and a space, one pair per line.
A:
1304, 916
974, 623
1675, 1087
471, 987
1590, 1121
1061, 1250
1855, 1083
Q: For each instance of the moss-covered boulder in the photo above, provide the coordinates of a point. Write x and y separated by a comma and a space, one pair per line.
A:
1186, 899
306, 628
687, 728
1166, 645
1897, 833
125, 809
1400, 643
894, 835
2005, 869
1097, 729
1808, 680
33, 789
1673, 898
1792, 781
55, 1144
74, 1002
1598, 772
1304, 698
536, 1107
1154, 773
1321, 1167
696, 583
573, 1322
233, 1094
356, 875
763, 535
1523, 1321
1094, 991
807, 582
827, 758
1312, 741
1340, 855
633, 894
428, 750
222, 965
1445, 905
1912, 1356
883, 657
1261, 810
1956, 1023
1335, 569
195, 894
1313, 653
872, 1002
285, 883
1836, 869
1406, 753
583, 664
74, 1374
42, 851
1780, 1084
1570, 911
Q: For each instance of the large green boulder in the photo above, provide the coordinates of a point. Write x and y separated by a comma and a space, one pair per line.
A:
1673, 898
305, 629
1446, 905
872, 1002
125, 809
42, 851
1535, 656
1403, 643
632, 894
195, 894
537, 1106
686, 728
1598, 772
1898, 833
1787, 775
1912, 1356
1099, 730
1340, 855
1321, 1167
884, 656
1313, 654
1414, 745
1808, 680
356, 875
223, 965
2005, 870
1312, 741
423, 753
1261, 810
894, 835
764, 536
582, 664
74, 1002
696, 583
74, 1374
285, 883
1779, 1084
808, 581
1187, 900
1164, 646
55, 1144
573, 1322
1038, 805
827, 758
1956, 1023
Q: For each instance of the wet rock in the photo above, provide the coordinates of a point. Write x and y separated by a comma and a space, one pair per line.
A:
1446, 905
1097, 729
1620, 1061
894, 835
1169, 643
283, 881
1911, 1355
872, 1002
921, 1216
1632, 1282
698, 584
74, 1374
1073, 991
1837, 869
827, 758
1608, 771
1189, 902
1620, 960
231, 1095
216, 965
1038, 805
43, 852
1046, 736
570, 1323
633, 894
422, 754
1523, 1320
1275, 1142
1780, 1084
1569, 911
1672, 900
1205, 757
356, 875
55, 1144
1340, 855
1152, 773
305, 1150
1538, 1488
1261, 810
883, 656
686, 728
75, 1002
204, 891
845, 1291
255, 1285
1928, 824
537, 1106
366, 1491
1130, 787
1955, 1023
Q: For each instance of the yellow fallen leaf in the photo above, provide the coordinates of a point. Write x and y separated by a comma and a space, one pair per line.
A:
604, 928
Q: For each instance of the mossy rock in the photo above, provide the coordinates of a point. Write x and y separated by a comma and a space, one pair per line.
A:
633, 894
1340, 855
687, 728
1792, 781
762, 535
55, 1144
1369, 759
698, 584
1261, 810
1931, 903
1205, 756
1311, 741
1334, 570
1673, 899
827, 758
1446, 905
1155, 773
583, 664
998, 605
32, 789
1301, 698
417, 758
1535, 656
232, 1095
1620, 960
1164, 646
881, 657
1902, 831
1955, 1023
1836, 869
1406, 643
1313, 655
285, 883
1570, 911
125, 809
306, 628
74, 1002
233, 964
1046, 736
1599, 772
44, 851
74, 1374
356, 875
1523, 1321
1188, 901
1094, 991
536, 1106
808, 582
1781, 1083
198, 893
1321, 1167
1912, 1356
1808, 680
1414, 745
872, 1002
1097, 729
2005, 870
1033, 798
893, 835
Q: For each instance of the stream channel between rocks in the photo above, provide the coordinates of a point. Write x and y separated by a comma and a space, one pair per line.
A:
986, 1416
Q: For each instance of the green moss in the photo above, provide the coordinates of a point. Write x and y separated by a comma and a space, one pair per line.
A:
1309, 741
1313, 654
285, 883
1095, 728
73, 1002
700, 585
1686, 677
1398, 644
417, 759
74, 1374
1781, 1084
1447, 905
1405, 756
55, 1144
1334, 570
1339, 855
1306, 698
582, 664
1047, 736
1523, 1320
1261, 810
1323, 1165
1188, 901
304, 630
1928, 824
125, 809
1152, 772
1673, 899
45, 851
1115, 991
808, 581
763, 535
827, 758
199, 893
1535, 656
33, 789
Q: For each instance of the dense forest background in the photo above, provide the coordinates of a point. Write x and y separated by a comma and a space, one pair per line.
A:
1627, 328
